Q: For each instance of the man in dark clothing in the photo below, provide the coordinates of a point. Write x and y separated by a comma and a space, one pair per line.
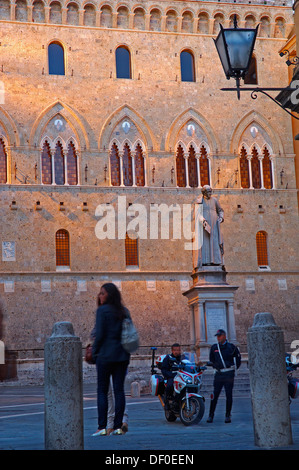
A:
225, 358
167, 367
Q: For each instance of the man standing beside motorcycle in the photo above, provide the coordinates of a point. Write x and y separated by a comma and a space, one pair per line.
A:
167, 368
225, 358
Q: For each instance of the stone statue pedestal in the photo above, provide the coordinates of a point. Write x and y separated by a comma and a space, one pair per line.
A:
211, 302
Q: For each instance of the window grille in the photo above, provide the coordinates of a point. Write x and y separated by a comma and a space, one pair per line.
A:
62, 248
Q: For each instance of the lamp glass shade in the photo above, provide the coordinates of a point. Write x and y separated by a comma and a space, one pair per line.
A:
235, 47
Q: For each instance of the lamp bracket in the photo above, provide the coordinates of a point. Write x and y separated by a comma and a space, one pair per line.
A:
255, 90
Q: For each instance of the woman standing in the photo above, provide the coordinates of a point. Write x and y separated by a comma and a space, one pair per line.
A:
111, 358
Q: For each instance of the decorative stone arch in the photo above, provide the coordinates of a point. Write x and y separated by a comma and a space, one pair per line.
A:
12, 135
181, 120
181, 144
204, 144
206, 12
194, 145
245, 146
116, 117
268, 147
70, 116
171, 8
256, 146
139, 142
90, 2
250, 118
188, 10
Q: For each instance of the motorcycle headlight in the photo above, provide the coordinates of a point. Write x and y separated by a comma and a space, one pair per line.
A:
187, 379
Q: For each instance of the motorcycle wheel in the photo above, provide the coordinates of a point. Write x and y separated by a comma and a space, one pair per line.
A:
195, 412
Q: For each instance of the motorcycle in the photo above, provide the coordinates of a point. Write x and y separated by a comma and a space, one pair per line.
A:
293, 382
187, 403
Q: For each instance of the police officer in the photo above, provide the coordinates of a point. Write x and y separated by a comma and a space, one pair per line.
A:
167, 367
225, 358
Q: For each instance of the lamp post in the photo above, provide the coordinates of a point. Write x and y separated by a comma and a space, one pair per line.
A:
235, 46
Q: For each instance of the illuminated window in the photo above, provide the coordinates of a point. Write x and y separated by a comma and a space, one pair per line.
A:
56, 59
131, 248
261, 248
187, 67
62, 248
123, 62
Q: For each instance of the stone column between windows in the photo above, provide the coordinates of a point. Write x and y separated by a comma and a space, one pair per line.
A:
29, 13
121, 170
63, 15
65, 166
47, 14
197, 156
274, 185
249, 157
12, 11
53, 165
186, 172
133, 171
210, 170
261, 171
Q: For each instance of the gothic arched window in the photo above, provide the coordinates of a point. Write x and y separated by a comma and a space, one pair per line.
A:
244, 169
204, 167
192, 168
115, 166
72, 165
180, 167
127, 166
46, 164
267, 170
3, 163
59, 167
255, 169
139, 166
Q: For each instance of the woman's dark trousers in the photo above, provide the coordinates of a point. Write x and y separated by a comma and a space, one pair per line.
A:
118, 371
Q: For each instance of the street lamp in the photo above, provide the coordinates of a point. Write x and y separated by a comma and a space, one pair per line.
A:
235, 47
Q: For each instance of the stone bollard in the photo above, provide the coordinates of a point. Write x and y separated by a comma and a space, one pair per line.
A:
63, 389
268, 382
135, 389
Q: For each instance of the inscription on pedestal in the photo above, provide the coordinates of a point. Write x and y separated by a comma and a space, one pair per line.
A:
215, 319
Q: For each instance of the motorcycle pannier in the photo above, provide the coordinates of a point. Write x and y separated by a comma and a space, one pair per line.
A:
157, 385
293, 387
